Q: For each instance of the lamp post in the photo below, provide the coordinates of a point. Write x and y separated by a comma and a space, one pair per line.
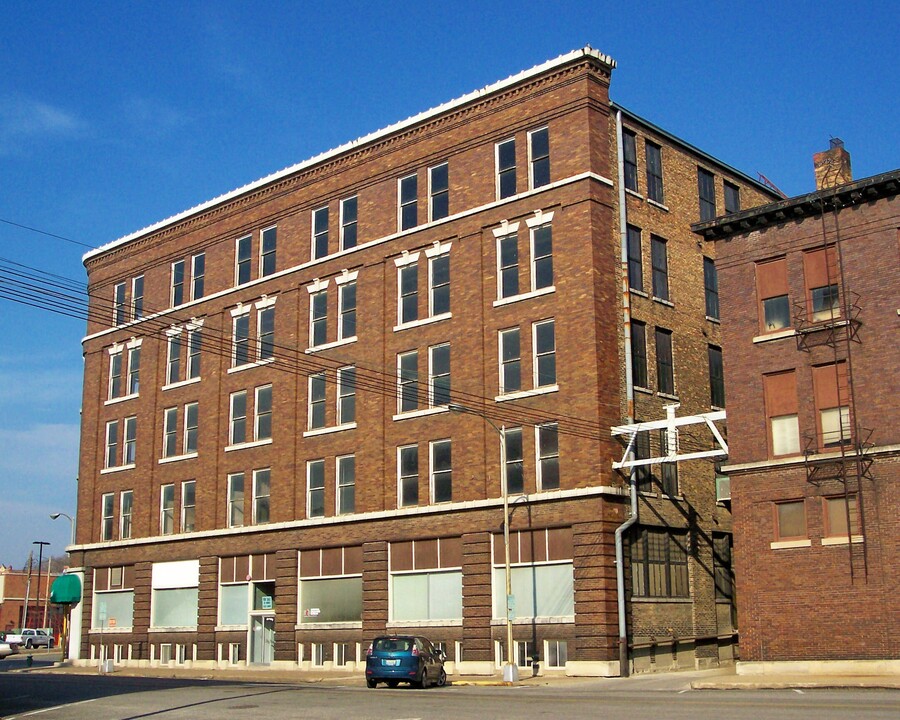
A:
40, 544
510, 669
57, 515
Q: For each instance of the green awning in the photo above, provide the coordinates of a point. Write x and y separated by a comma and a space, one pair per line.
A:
66, 590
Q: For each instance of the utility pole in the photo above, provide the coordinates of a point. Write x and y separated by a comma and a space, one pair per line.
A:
40, 544
27, 591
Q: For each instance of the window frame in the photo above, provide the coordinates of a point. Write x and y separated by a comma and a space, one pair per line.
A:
676, 573
503, 172
436, 380
137, 297
540, 357
342, 506
119, 306
234, 503
665, 361
777, 525
403, 476
188, 506
318, 317
262, 412
319, 236
510, 269
437, 289
716, 376
111, 444
434, 471
629, 160
407, 382
176, 294
536, 162
173, 357
546, 456
634, 243
438, 197
194, 350
654, 170
349, 227
706, 194
346, 395
240, 338
538, 263
170, 432
243, 260
513, 462
731, 193
237, 417
265, 333
347, 308
262, 500
511, 361
407, 220
315, 401
191, 438
107, 516
268, 248
408, 299
659, 261
198, 276
640, 376
126, 518
711, 288
167, 509
319, 490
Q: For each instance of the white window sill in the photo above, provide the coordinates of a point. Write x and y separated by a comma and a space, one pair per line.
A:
352, 625
251, 365
425, 321
251, 444
634, 193
421, 413
786, 544
328, 430
328, 346
541, 619
180, 383
714, 320
527, 393
667, 396
175, 628
117, 468
658, 204
646, 391
525, 296
639, 293
229, 628
779, 335
661, 301
112, 630
121, 398
177, 458
644, 599
842, 540
424, 623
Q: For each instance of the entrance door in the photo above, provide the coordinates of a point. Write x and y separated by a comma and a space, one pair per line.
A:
262, 639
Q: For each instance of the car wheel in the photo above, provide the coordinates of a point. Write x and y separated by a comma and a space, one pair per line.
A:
50, 645
423, 681
393, 683
28, 644
370, 682
441, 679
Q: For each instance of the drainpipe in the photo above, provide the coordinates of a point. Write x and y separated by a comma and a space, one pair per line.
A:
629, 394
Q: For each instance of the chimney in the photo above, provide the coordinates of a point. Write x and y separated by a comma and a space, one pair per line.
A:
832, 166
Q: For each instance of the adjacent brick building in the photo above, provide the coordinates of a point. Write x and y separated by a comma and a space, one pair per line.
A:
270, 468
809, 289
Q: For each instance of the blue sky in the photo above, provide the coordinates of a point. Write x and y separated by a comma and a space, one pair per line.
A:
116, 115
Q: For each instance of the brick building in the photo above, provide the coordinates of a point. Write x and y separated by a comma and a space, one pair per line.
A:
270, 470
20, 586
809, 310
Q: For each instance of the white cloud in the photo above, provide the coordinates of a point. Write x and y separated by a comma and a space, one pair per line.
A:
24, 120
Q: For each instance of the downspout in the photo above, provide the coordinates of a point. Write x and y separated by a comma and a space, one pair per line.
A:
629, 394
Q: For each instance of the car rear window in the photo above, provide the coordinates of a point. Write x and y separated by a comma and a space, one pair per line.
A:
393, 645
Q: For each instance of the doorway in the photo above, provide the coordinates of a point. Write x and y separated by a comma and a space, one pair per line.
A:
262, 639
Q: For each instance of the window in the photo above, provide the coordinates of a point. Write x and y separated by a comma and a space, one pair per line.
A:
112, 443
508, 259
821, 273
408, 475
439, 375
119, 304
544, 353
170, 431
238, 422
772, 286
346, 484
113, 598
241, 339
548, 456
191, 427
267, 246
506, 168
716, 377
137, 298
316, 411
173, 359
513, 474
425, 580
438, 192
556, 653
198, 275
242, 260
348, 223
315, 488
346, 403
831, 392
195, 343
510, 361
635, 264
837, 512
266, 333
629, 154
732, 198
642, 474
408, 198
706, 190
177, 283
261, 492
318, 318
668, 471
790, 521
407, 381
174, 595
723, 571
539, 154
409, 293
107, 514
660, 267
235, 508
188, 505
542, 576
262, 409
347, 310
167, 509
654, 172
541, 257
659, 563
439, 282
711, 287
665, 370
320, 233
639, 354
441, 472
126, 500
129, 450
780, 391
115, 375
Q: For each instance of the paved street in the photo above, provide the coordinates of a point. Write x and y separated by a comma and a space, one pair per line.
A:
89, 697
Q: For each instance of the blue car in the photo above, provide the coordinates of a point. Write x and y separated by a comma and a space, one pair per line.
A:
393, 659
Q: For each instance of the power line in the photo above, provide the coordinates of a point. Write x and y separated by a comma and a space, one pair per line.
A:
48, 234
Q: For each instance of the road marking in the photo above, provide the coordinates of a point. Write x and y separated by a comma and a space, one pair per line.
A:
682, 692
55, 707
799, 692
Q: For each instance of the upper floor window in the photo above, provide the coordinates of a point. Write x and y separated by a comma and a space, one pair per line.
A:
544, 353
346, 403
318, 317
831, 394
119, 304
320, 233
548, 456
441, 479
790, 521
408, 199
315, 488
407, 381
629, 155
654, 172
348, 223
639, 354
407, 287
635, 263
237, 432
438, 192
262, 490
126, 501
510, 361
177, 283
539, 156
347, 310
195, 346
513, 474
732, 198
541, 257
242, 260
129, 451
265, 333
508, 265
665, 368
439, 374
820, 274
198, 275
711, 288
408, 476
191, 427
316, 399
167, 509
346, 484
659, 563
107, 515
235, 500
124, 381
716, 377
240, 354
267, 247
772, 286
706, 190
780, 391
112, 444
137, 297
188, 505
838, 511
506, 168
173, 356
660, 262
439, 283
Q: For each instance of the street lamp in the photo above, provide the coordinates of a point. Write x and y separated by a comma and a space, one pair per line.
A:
510, 669
40, 544
57, 515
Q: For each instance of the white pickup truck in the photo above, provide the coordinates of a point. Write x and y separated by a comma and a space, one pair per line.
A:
7, 649
29, 638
